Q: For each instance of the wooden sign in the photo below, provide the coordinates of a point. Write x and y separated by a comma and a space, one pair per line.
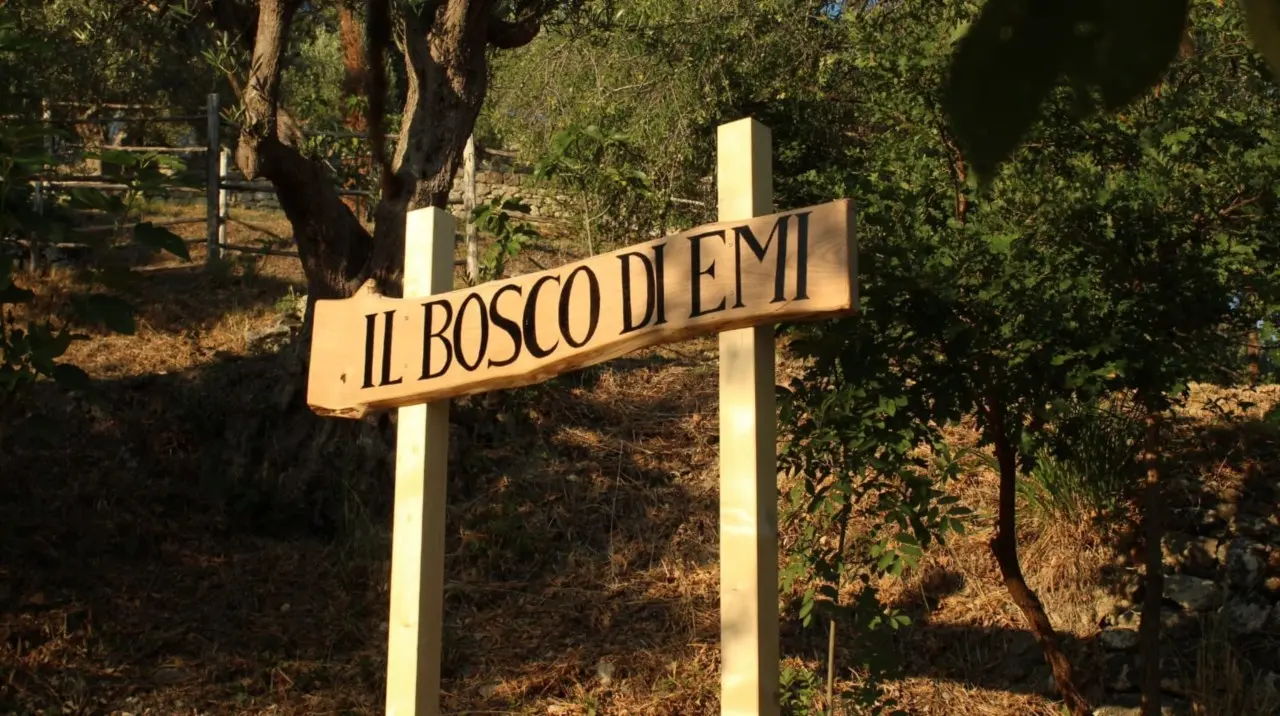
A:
372, 352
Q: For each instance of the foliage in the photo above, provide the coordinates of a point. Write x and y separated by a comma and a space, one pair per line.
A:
509, 235
663, 74
598, 166
313, 86
1110, 254
28, 350
799, 688
101, 51
1085, 462
1014, 54
33, 349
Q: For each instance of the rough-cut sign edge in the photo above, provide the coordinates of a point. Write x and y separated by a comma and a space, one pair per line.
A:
590, 357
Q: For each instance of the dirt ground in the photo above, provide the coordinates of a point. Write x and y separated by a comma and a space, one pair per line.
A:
582, 560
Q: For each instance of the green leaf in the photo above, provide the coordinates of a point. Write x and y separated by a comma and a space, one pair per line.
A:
1001, 72
887, 559
1001, 243
91, 199
1019, 50
117, 157
806, 608
1263, 19
158, 237
114, 313
1137, 41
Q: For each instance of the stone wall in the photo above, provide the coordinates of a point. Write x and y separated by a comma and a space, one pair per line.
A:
497, 175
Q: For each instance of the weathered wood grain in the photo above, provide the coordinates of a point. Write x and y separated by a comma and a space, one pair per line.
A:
372, 352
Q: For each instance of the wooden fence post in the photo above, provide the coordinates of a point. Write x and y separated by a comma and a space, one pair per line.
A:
417, 544
469, 203
224, 197
46, 119
749, 680
213, 187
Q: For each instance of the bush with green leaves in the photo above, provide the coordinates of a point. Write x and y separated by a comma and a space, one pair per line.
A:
33, 349
1085, 462
599, 168
1105, 256
507, 234
29, 351
1108, 254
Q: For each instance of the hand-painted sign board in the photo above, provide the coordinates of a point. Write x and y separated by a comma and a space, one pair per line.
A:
371, 352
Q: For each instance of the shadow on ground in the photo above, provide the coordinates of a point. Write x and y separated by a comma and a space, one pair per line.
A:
193, 542
197, 542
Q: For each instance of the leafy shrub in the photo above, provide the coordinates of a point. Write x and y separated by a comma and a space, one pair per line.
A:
30, 350
509, 235
1085, 461
601, 169
799, 688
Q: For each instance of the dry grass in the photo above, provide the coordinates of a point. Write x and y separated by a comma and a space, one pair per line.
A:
1226, 683
582, 548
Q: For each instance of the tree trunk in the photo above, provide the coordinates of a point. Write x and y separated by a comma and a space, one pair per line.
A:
447, 79
354, 86
1005, 548
443, 43
1153, 528
354, 76
1254, 353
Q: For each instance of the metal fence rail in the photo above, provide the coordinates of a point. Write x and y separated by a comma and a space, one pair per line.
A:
218, 185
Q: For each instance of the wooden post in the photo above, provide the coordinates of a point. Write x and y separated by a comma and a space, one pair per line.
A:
417, 543
749, 680
213, 153
46, 120
468, 204
224, 197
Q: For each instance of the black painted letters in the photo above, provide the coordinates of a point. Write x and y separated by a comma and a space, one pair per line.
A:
484, 333
461, 329
531, 320
506, 324
370, 327
593, 306
629, 323
428, 334
697, 272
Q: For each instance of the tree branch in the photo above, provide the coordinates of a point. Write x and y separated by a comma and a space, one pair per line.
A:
261, 96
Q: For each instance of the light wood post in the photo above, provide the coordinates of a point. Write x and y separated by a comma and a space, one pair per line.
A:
213, 152
468, 204
417, 548
749, 679
224, 196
